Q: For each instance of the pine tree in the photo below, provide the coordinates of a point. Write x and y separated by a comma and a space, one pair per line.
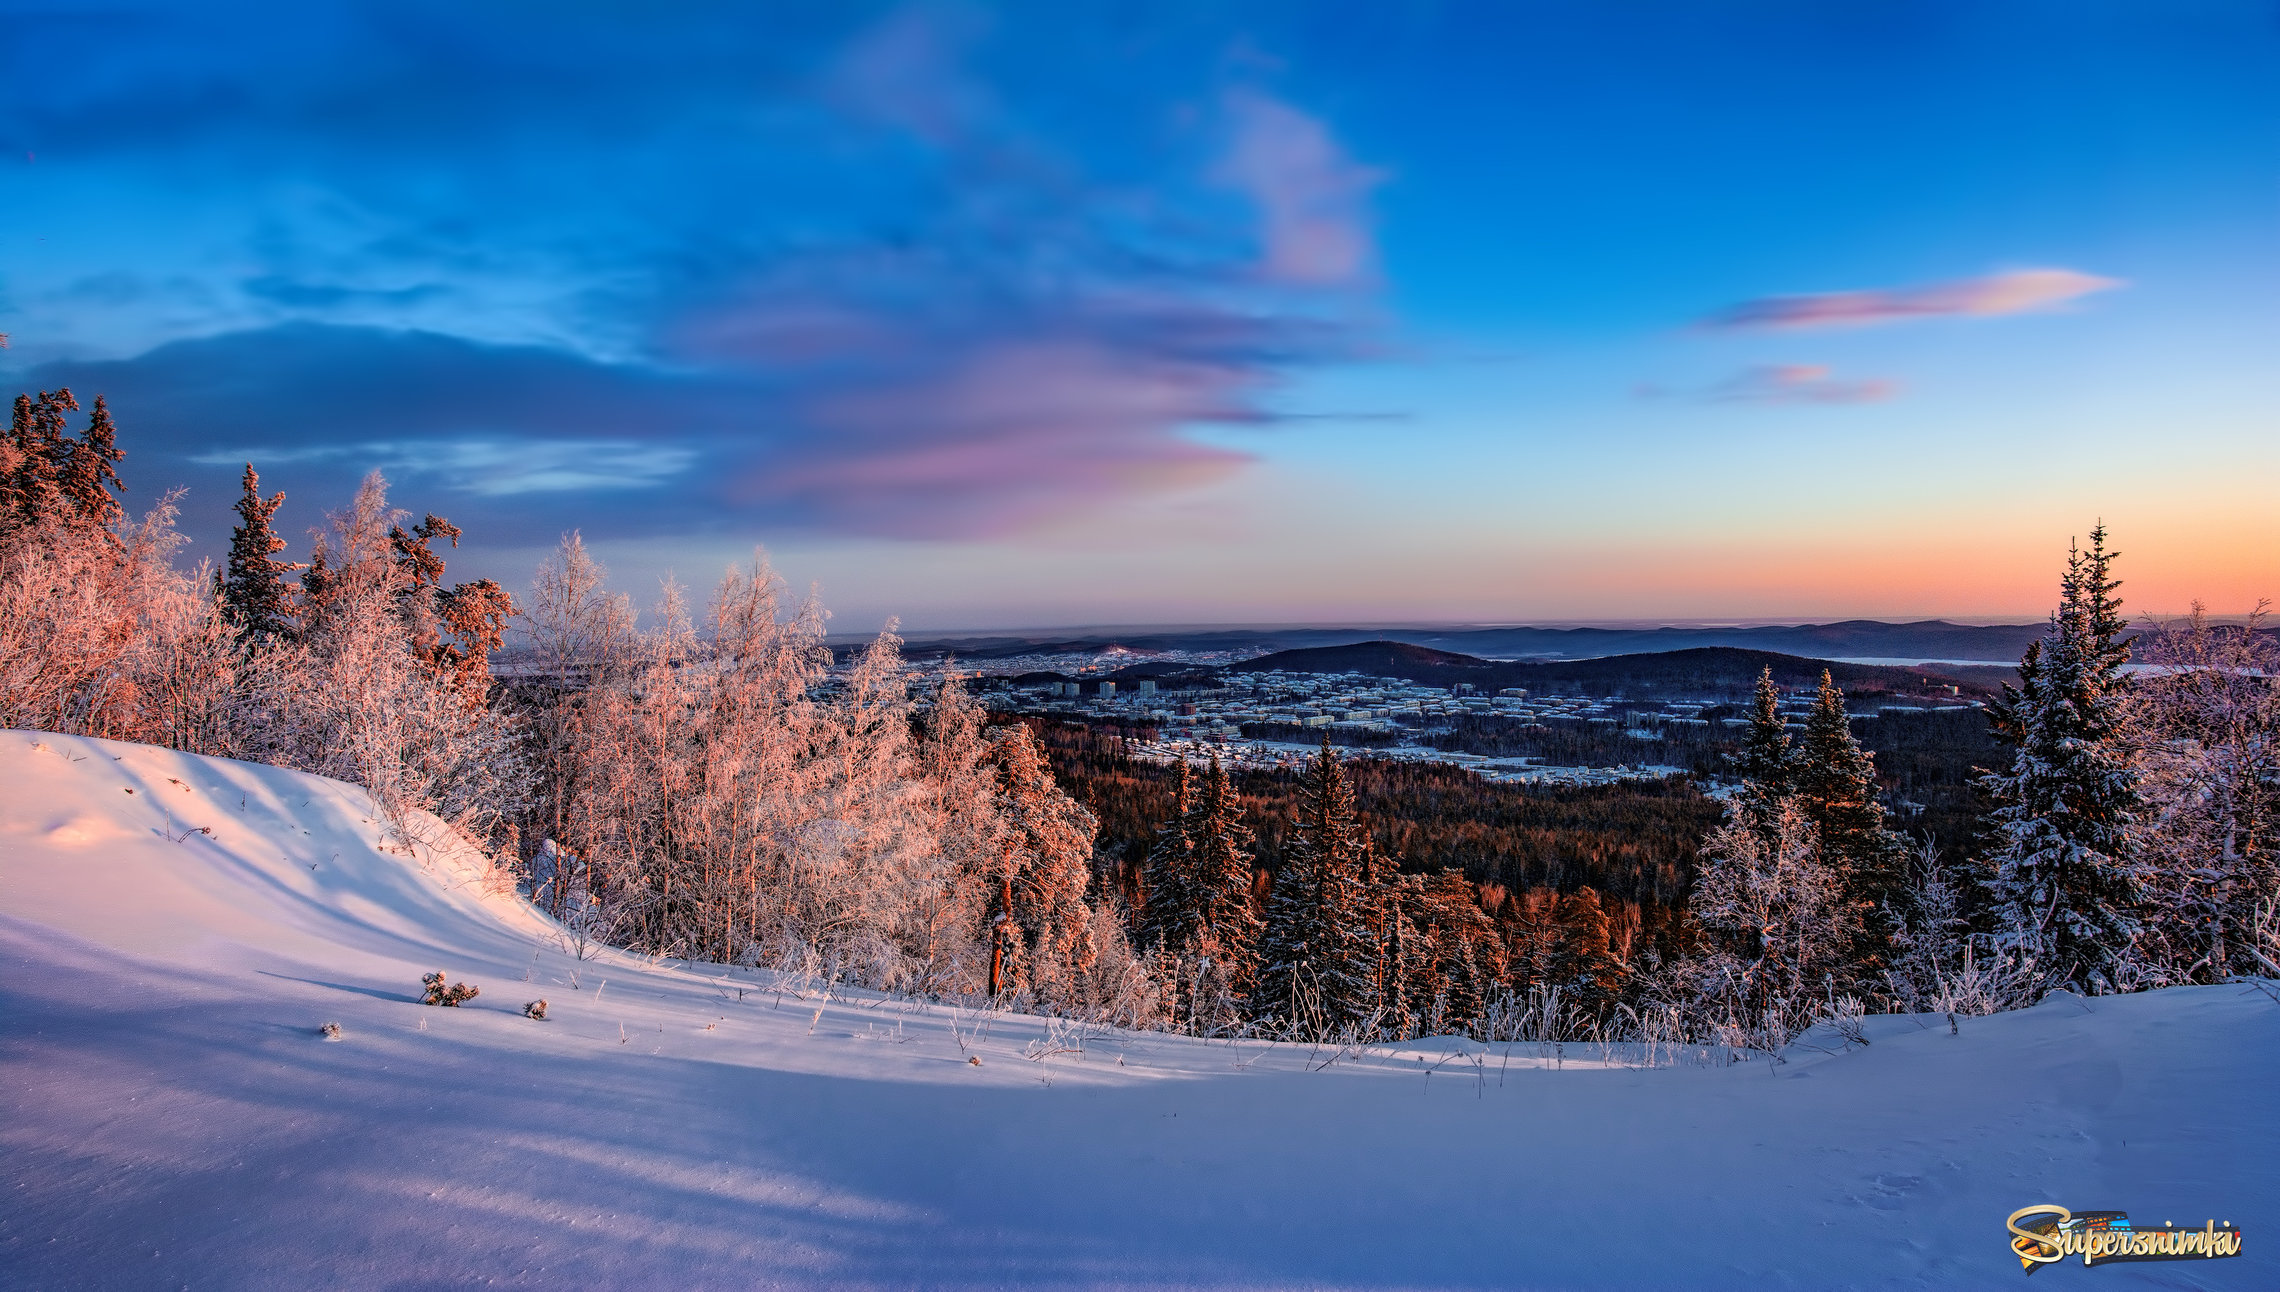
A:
1835, 783
1318, 958
255, 598
2062, 881
1764, 761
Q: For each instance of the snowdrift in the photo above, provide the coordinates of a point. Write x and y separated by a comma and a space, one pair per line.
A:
174, 929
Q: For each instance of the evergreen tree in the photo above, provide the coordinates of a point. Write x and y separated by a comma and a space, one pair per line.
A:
2062, 882
1584, 963
87, 471
255, 597
1166, 916
1318, 958
1835, 782
1221, 895
1764, 761
1039, 921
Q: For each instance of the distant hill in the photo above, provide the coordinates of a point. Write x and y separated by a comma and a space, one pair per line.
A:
1708, 673
1932, 639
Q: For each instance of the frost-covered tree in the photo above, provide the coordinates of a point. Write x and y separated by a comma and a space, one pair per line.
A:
1835, 785
2205, 726
1764, 760
1041, 920
1319, 954
49, 479
256, 599
1777, 928
2062, 882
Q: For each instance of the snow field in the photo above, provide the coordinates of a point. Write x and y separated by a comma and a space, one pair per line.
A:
169, 1116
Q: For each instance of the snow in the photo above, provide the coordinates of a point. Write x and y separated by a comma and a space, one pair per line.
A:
169, 1116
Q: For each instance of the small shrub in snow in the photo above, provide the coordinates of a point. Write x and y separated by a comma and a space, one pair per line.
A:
457, 993
535, 1009
330, 1031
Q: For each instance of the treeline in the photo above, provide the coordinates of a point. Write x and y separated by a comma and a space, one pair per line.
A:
692, 783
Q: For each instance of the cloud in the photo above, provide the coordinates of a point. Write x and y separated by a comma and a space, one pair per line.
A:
1799, 383
1313, 199
925, 436
2015, 292
911, 272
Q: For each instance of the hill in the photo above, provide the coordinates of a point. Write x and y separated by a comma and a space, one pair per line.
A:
1721, 673
169, 1116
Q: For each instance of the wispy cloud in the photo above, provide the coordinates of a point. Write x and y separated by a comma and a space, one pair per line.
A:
888, 295
2013, 292
1799, 383
1313, 199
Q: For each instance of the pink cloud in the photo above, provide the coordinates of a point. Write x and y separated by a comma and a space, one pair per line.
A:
2014, 292
1801, 383
1017, 432
1313, 199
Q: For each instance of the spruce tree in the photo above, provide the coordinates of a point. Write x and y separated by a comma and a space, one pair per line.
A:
1318, 959
87, 471
1584, 963
38, 448
1764, 761
2062, 884
1835, 782
255, 597
1165, 921
1221, 894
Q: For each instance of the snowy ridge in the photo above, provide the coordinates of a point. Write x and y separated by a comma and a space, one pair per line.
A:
169, 1116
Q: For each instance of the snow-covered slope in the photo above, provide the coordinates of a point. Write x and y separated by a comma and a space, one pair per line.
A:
170, 1118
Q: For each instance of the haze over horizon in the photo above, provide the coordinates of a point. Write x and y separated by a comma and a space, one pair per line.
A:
989, 316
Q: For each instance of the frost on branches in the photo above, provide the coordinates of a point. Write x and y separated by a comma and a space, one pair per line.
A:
2063, 881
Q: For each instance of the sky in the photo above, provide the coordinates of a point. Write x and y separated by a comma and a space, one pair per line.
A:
996, 316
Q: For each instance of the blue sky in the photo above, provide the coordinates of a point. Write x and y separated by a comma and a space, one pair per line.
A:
1053, 314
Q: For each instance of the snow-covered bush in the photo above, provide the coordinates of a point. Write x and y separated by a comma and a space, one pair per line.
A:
457, 993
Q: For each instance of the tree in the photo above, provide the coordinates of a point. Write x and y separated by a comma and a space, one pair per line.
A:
1167, 916
1039, 924
255, 598
1221, 894
1835, 782
2062, 883
88, 471
1764, 761
1583, 961
1777, 925
1318, 957
50, 480
2205, 731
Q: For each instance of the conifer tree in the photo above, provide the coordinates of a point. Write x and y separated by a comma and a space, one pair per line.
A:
1318, 958
255, 598
1221, 895
1584, 964
1039, 919
1166, 917
1764, 761
2062, 882
88, 472
1835, 781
